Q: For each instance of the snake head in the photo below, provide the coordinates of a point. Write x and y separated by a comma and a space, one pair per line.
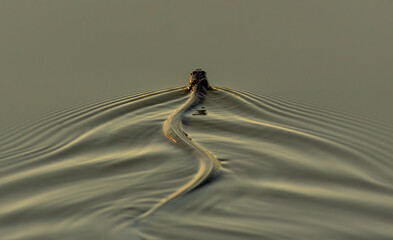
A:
198, 78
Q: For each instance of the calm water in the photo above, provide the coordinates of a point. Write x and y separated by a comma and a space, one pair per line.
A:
290, 171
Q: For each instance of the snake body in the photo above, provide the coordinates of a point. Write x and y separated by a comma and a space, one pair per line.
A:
209, 166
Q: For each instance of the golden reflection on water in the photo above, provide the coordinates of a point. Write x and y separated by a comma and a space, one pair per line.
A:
116, 163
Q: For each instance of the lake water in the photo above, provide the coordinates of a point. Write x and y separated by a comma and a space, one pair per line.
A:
303, 127
290, 170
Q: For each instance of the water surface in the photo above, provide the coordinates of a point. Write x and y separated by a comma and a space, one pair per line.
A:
290, 171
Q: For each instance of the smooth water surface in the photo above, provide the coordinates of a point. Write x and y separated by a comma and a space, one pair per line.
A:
290, 171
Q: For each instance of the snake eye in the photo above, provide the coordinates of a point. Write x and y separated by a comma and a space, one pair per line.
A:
198, 72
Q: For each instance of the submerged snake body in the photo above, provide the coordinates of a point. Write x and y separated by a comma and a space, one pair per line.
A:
209, 166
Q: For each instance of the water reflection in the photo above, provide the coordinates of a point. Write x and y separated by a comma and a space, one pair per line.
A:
289, 171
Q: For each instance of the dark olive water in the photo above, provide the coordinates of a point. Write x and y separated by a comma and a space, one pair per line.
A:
290, 171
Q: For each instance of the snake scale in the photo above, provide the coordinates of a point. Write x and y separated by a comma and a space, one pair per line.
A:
209, 166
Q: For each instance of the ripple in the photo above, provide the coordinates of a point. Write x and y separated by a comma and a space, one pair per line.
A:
291, 170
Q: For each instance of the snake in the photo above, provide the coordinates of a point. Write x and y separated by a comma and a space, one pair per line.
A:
209, 165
